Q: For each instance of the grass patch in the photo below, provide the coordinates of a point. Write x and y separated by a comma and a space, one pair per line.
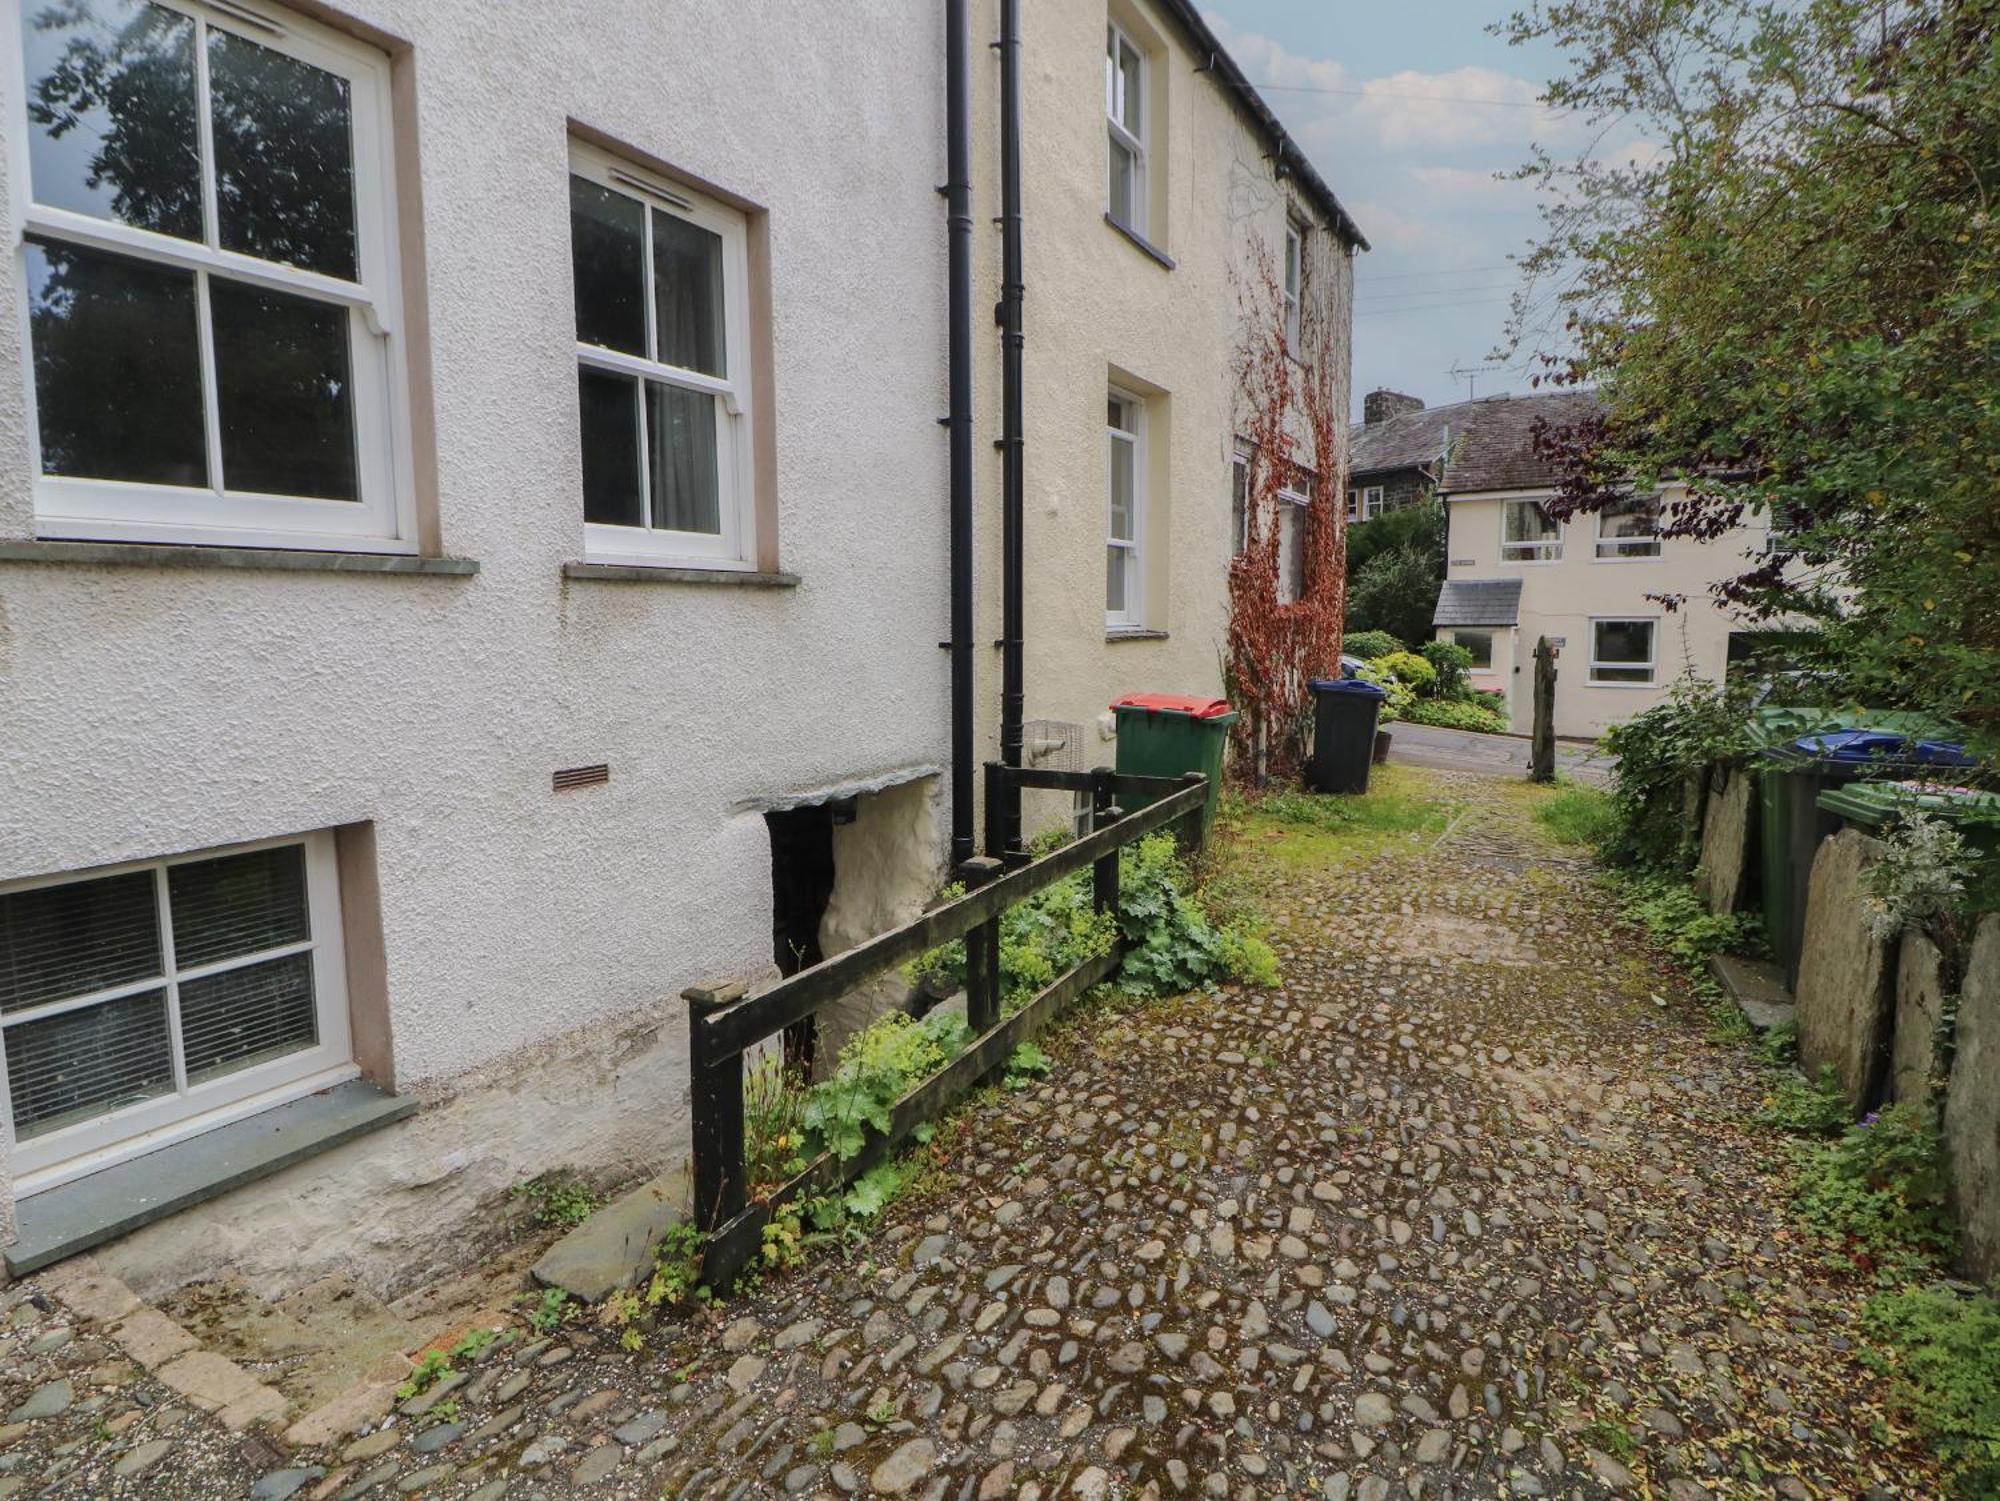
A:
1579, 815
1403, 804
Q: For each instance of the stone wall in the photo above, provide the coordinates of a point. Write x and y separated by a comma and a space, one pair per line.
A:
1725, 838
1844, 973
1972, 1104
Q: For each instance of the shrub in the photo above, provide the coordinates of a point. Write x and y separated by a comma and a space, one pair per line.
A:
1401, 694
1807, 1107
1658, 753
879, 1065
1395, 591
1171, 943
1408, 669
1679, 921
1920, 873
1452, 662
1880, 1191
1367, 644
1941, 1352
1457, 714
1491, 698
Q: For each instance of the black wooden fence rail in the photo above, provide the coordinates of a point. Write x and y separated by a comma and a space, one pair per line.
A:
725, 1021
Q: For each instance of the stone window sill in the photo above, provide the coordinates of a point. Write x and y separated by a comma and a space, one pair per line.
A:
266, 559
645, 573
87, 1211
1143, 244
1135, 636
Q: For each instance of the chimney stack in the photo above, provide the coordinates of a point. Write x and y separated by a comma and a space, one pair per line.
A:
1380, 406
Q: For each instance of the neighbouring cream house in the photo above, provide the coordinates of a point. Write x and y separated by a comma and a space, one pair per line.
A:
471, 515
1157, 190
1598, 586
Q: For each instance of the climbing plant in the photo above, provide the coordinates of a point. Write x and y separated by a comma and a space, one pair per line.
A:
1290, 412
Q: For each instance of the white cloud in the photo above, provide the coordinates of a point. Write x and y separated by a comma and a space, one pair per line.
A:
1466, 187
1394, 229
1460, 108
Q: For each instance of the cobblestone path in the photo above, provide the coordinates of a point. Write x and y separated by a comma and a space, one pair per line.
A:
1469, 1206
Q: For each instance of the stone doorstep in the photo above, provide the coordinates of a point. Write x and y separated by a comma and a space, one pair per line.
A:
613, 1249
173, 1356
1758, 988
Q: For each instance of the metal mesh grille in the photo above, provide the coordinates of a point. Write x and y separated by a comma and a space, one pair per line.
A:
1052, 745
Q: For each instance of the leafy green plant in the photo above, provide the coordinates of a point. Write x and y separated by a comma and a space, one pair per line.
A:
431, 1368
1026, 1064
1458, 714
1941, 1351
1880, 1192
1779, 1047
676, 1278
1920, 873
1409, 669
879, 1065
1400, 694
1171, 943
1678, 921
473, 1341
558, 1199
1807, 1107
1453, 664
1579, 815
1370, 644
774, 1130
1658, 754
550, 1312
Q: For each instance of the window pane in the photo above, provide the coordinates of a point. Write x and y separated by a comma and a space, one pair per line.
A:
609, 408
111, 112
117, 368
608, 265
285, 389
1528, 522
1132, 86
686, 494
67, 1068
1631, 518
1479, 643
1624, 641
1123, 460
1114, 578
687, 288
245, 1016
238, 904
284, 157
81, 936
1122, 172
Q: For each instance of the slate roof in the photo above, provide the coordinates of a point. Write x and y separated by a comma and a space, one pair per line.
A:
1478, 602
1492, 442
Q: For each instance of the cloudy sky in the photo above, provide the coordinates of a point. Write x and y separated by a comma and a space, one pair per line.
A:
1409, 109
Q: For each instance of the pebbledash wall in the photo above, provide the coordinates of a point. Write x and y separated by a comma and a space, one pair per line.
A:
533, 944
1101, 311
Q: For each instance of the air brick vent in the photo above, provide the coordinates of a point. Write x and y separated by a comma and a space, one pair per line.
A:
580, 776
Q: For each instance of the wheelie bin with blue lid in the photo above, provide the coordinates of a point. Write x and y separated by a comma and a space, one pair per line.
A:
1345, 713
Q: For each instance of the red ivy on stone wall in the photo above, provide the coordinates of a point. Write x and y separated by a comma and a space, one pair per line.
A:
1289, 410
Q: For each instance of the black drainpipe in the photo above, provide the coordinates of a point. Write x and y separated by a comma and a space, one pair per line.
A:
1012, 694
958, 209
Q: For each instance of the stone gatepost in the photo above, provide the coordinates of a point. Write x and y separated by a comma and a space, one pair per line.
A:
1725, 839
1972, 1105
1914, 1055
1843, 996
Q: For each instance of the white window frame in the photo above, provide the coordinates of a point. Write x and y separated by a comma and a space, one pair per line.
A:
72, 1151
1133, 616
383, 520
1353, 505
1651, 664
735, 546
1371, 503
1641, 549
1550, 551
1117, 37
1295, 505
1294, 283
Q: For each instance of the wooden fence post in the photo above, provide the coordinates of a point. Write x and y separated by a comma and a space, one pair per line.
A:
1191, 825
716, 1104
1104, 811
1542, 752
982, 949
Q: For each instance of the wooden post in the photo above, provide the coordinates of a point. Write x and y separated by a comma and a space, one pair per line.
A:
1104, 811
1191, 827
982, 950
1542, 754
716, 1104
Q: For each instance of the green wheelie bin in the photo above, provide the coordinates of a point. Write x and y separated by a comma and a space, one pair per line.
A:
1170, 735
